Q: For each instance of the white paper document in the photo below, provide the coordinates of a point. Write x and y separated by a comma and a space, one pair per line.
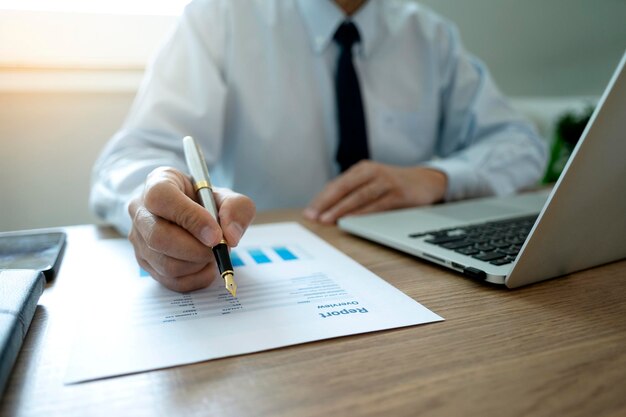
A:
292, 288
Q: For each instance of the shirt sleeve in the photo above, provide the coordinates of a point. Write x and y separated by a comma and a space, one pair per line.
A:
182, 93
485, 147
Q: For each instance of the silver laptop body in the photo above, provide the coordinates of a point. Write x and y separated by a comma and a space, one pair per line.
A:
581, 222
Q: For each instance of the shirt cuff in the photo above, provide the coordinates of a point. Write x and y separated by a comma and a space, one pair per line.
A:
123, 221
463, 180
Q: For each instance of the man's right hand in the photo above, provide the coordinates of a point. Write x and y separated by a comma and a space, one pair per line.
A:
173, 235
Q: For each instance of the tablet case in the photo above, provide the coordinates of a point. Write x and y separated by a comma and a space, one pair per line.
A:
19, 293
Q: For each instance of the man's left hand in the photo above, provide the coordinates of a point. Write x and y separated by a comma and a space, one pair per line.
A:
370, 187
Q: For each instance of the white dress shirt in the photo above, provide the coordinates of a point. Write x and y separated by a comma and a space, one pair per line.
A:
252, 81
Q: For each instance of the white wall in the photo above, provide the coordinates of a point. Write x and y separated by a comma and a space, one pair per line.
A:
543, 47
48, 144
52, 124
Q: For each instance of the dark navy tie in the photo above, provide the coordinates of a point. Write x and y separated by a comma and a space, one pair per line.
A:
352, 132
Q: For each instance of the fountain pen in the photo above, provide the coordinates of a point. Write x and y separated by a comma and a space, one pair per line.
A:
202, 186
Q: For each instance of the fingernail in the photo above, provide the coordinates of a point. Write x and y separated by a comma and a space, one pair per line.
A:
310, 213
206, 236
235, 232
326, 218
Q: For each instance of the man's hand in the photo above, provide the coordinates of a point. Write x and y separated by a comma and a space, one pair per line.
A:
369, 187
173, 235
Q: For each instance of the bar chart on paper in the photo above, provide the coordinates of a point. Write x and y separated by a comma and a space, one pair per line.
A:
258, 255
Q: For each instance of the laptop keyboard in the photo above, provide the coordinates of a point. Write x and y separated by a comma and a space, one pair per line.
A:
496, 242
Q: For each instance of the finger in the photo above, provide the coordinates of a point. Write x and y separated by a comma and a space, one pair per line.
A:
167, 274
236, 212
165, 197
166, 265
167, 238
174, 268
337, 189
161, 267
362, 196
384, 203
186, 283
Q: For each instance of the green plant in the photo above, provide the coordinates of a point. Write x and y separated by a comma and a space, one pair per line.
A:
568, 130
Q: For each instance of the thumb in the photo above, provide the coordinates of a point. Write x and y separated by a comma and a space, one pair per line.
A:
168, 194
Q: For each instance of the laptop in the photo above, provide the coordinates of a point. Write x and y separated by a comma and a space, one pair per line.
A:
518, 240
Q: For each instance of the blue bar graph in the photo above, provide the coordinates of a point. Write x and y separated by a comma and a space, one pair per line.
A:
235, 259
285, 253
143, 273
258, 256
262, 255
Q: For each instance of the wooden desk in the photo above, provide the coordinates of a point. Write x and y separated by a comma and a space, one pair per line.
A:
553, 349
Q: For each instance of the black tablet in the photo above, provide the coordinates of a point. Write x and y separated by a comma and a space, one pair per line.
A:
41, 251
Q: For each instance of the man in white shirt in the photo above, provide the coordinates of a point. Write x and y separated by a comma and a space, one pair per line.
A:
256, 83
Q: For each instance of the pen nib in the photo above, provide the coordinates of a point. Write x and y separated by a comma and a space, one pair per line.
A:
229, 283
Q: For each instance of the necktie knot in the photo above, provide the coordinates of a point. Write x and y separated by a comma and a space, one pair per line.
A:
347, 34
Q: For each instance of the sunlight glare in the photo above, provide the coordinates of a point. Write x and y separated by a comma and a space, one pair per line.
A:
140, 7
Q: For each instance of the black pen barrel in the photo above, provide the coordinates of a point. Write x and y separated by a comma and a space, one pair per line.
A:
222, 257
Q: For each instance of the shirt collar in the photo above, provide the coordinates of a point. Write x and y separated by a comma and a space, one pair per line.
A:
323, 17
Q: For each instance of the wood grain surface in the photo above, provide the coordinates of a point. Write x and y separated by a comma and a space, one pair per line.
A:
557, 348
